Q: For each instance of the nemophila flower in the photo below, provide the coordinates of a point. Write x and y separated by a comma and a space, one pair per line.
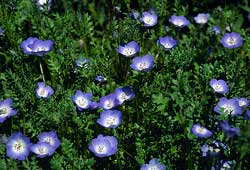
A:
43, 91
154, 164
94, 105
231, 40
49, 137
44, 4
201, 131
42, 149
167, 42
18, 146
134, 15
219, 86
83, 62
149, 19
123, 94
228, 106
247, 116
6, 109
144, 63
110, 118
179, 21
213, 150
216, 29
100, 78
129, 49
82, 100
202, 18
25, 45
109, 101
103, 146
243, 102
228, 130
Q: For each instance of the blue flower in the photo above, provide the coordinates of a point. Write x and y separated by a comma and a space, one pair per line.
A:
42, 149
154, 164
18, 146
109, 101
201, 131
144, 63
231, 40
149, 19
50, 138
228, 130
103, 146
228, 106
167, 42
110, 118
202, 18
43, 91
216, 30
129, 49
82, 100
100, 79
219, 86
123, 94
179, 21
243, 102
6, 109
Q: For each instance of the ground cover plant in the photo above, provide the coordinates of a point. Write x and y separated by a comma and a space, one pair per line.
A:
148, 85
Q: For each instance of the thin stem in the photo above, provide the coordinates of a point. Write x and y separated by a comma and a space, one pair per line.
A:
41, 69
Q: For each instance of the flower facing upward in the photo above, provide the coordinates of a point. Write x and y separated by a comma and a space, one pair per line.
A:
82, 100
202, 18
228, 106
219, 86
243, 102
108, 102
167, 42
44, 4
18, 146
228, 130
231, 40
6, 109
50, 138
149, 19
144, 63
42, 149
43, 91
179, 21
123, 94
201, 131
103, 145
129, 49
34, 46
154, 164
110, 118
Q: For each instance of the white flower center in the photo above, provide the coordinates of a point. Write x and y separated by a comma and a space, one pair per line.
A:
42, 150
4, 110
112, 121
242, 103
142, 65
167, 45
154, 167
148, 20
231, 41
42, 2
38, 49
217, 87
100, 149
129, 51
122, 97
178, 22
82, 102
201, 130
228, 109
108, 104
49, 140
18, 146
42, 92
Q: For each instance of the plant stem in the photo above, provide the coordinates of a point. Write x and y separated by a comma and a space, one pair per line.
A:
41, 69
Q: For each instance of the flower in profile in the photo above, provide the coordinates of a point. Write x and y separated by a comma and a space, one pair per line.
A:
44, 4
109, 101
50, 138
82, 100
43, 91
154, 164
42, 149
103, 146
149, 19
144, 63
228, 130
216, 29
6, 109
18, 146
243, 102
179, 21
100, 78
228, 106
231, 40
219, 86
202, 18
129, 49
134, 14
110, 118
25, 45
201, 131
123, 94
167, 42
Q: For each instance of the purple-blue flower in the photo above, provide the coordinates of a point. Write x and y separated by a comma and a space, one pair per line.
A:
43, 91
82, 62
247, 116
110, 118
100, 78
123, 94
149, 19
6, 109
49, 137
202, 18
25, 45
154, 164
1, 31
231, 40
201, 131
129, 49
228, 106
228, 130
42, 149
144, 63
103, 146
18, 146
109, 101
179, 21
216, 30
167, 42
243, 102
82, 100
219, 86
